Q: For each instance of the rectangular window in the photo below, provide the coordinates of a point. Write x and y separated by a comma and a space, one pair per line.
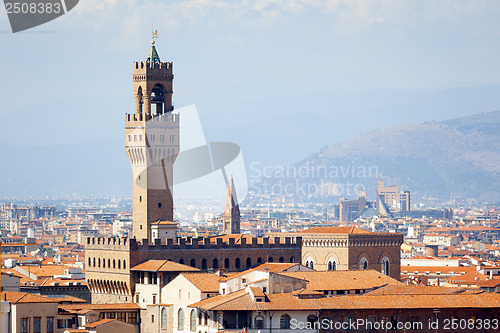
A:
394, 322
36, 324
137, 298
132, 318
162, 137
371, 323
50, 324
135, 137
172, 137
154, 299
25, 325
152, 137
152, 318
129, 138
63, 323
120, 316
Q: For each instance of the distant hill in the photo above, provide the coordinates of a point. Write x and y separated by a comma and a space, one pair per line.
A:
459, 157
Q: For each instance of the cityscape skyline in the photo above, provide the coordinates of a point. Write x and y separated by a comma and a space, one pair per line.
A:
299, 248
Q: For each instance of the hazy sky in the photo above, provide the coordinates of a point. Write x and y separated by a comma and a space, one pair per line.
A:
254, 48
70, 79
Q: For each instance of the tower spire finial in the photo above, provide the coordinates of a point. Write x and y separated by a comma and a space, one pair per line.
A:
153, 57
154, 34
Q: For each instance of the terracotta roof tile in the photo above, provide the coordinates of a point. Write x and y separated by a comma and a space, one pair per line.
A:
270, 266
82, 308
343, 280
407, 300
163, 266
19, 297
99, 323
206, 282
256, 291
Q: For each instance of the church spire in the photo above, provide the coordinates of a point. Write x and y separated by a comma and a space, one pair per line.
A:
231, 216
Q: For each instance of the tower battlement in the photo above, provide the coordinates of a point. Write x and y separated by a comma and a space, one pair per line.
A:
107, 243
198, 243
136, 120
141, 67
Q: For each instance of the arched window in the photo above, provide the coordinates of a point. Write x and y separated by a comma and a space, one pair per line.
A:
90, 262
163, 318
200, 316
270, 259
99, 262
292, 259
119, 264
204, 264
285, 321
309, 262
180, 320
94, 262
181, 261
259, 260
103, 263
124, 264
363, 263
192, 321
226, 263
193, 263
109, 263
386, 266
237, 263
249, 262
332, 265
114, 263
312, 320
259, 322
282, 259
215, 263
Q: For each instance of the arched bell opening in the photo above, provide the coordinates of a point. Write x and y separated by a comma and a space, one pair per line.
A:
158, 98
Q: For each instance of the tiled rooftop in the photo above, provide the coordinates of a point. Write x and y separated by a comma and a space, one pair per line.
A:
163, 266
343, 280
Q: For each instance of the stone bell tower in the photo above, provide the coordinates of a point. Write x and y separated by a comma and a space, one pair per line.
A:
152, 143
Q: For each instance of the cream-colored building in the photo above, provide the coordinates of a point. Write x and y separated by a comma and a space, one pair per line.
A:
441, 239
